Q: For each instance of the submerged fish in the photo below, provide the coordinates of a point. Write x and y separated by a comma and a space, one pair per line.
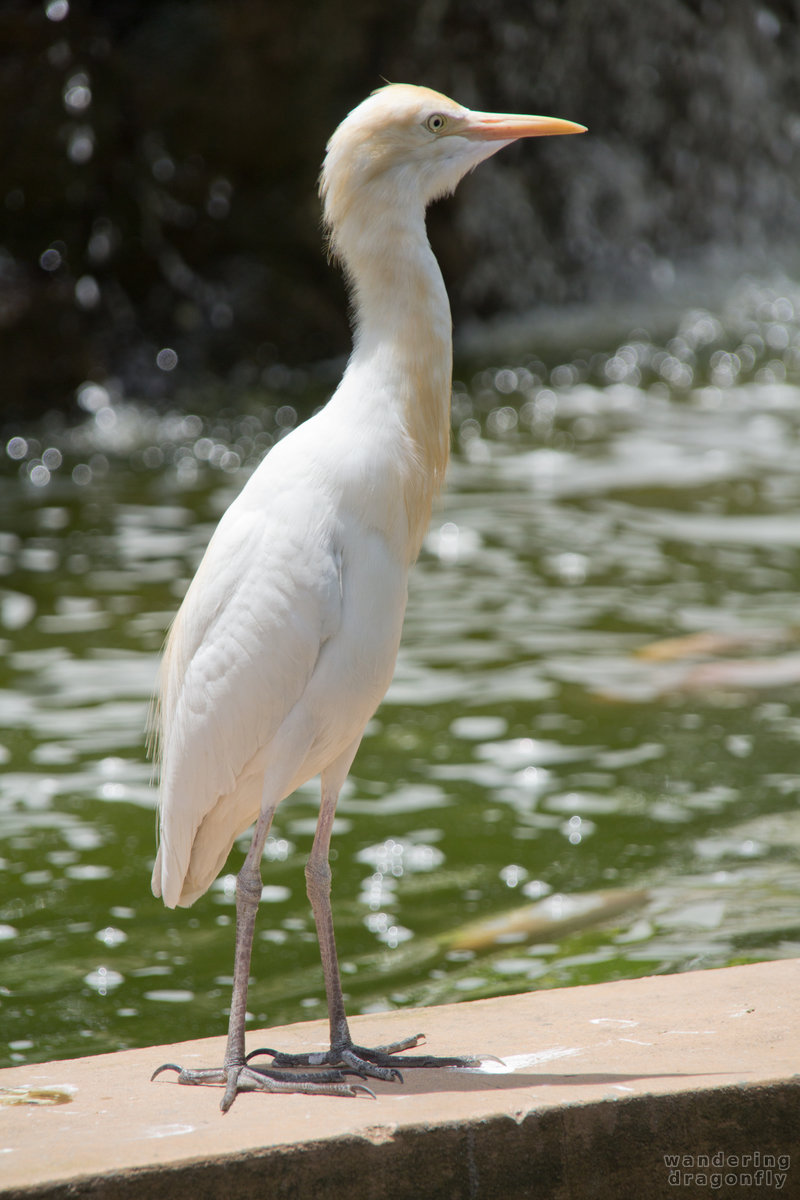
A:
544, 920
709, 642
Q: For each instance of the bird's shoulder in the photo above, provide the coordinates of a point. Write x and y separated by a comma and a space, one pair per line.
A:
265, 597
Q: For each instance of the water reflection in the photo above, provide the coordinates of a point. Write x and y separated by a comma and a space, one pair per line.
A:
596, 696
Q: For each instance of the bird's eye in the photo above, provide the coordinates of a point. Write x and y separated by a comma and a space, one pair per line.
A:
436, 122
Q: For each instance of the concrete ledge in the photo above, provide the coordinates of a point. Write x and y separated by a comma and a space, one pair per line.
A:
607, 1091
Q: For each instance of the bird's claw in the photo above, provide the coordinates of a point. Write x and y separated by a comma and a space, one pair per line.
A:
244, 1078
165, 1067
318, 1073
379, 1062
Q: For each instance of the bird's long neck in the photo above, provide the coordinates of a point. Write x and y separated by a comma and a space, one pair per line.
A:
403, 345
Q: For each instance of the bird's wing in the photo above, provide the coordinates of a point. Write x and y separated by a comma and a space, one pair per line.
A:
265, 599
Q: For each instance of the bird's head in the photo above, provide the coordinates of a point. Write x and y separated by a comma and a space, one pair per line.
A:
407, 145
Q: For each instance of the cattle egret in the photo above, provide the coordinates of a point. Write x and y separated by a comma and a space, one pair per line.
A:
286, 640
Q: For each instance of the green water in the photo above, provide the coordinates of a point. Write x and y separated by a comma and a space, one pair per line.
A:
527, 747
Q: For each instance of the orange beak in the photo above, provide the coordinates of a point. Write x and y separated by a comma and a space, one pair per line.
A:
507, 127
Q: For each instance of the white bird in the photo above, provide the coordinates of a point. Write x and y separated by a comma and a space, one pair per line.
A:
287, 638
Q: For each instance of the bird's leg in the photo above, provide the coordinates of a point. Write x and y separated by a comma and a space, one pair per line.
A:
318, 888
236, 1074
380, 1062
248, 895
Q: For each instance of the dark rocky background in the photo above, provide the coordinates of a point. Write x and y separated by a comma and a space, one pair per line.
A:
158, 168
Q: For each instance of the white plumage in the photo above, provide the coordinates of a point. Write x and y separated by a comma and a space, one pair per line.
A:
282, 649
287, 638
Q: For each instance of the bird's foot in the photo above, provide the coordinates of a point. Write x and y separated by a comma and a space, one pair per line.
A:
241, 1077
379, 1062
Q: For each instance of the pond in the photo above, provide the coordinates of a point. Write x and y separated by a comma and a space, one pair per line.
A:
595, 718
